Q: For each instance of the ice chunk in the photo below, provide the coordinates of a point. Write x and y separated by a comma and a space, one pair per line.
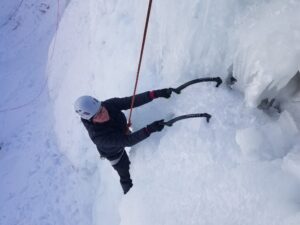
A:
250, 141
287, 123
291, 163
270, 141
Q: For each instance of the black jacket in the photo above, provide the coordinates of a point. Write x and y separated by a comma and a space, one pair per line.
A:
110, 137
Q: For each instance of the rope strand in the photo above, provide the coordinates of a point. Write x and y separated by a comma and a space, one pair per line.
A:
140, 62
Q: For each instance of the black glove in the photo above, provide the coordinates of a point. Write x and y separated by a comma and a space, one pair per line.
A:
165, 93
155, 126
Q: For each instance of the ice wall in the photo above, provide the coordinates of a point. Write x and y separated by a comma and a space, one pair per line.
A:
192, 173
271, 141
267, 49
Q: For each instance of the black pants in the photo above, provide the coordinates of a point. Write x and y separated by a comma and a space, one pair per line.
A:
122, 167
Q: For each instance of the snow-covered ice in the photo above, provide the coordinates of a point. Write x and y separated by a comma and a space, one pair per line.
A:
241, 168
271, 140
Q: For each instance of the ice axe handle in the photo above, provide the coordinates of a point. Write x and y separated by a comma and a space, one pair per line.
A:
199, 80
174, 120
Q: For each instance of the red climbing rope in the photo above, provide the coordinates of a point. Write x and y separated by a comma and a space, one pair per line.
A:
140, 62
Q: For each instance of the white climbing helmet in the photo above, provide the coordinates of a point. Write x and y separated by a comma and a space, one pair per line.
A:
87, 106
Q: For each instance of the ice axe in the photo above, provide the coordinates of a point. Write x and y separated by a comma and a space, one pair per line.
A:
178, 90
187, 116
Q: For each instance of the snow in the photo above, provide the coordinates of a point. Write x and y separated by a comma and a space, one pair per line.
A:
241, 168
39, 185
267, 59
291, 161
258, 141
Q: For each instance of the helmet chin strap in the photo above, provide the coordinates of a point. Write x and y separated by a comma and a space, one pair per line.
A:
101, 116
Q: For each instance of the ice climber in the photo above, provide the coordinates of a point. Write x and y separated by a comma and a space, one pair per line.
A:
107, 128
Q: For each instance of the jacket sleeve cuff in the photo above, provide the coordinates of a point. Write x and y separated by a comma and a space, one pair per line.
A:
147, 131
152, 95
